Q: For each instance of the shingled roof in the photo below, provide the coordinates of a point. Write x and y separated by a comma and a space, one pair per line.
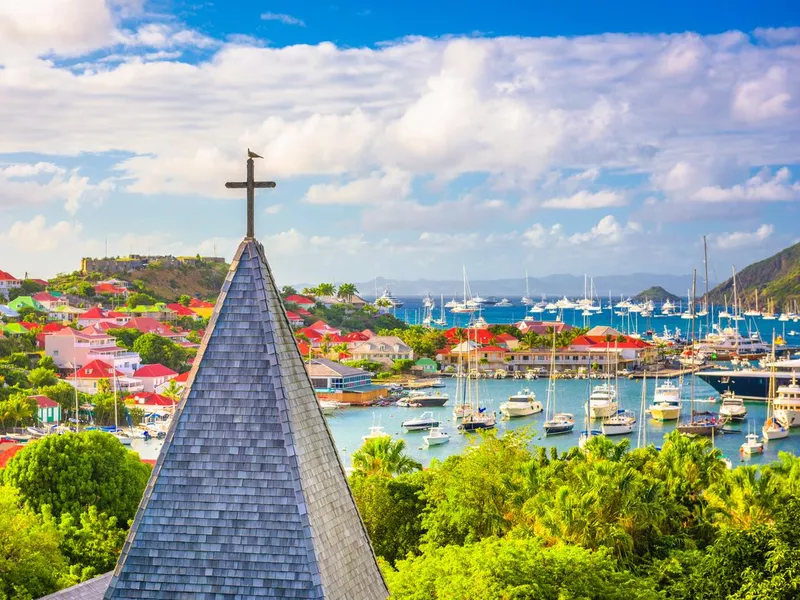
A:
248, 498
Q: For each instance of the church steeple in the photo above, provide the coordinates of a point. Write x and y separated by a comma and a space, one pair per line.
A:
248, 498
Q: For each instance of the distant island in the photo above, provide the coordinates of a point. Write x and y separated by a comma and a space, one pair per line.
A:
656, 293
776, 278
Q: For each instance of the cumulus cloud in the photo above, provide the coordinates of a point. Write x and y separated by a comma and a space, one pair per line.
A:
607, 232
763, 98
740, 239
763, 187
378, 188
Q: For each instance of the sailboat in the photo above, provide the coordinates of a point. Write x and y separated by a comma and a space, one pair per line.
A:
641, 435
772, 429
556, 423
587, 433
466, 305
699, 423
442, 320
526, 299
478, 417
621, 423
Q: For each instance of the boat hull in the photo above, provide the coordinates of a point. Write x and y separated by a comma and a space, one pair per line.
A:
436, 441
699, 429
774, 432
601, 411
749, 385
518, 409
420, 426
665, 413
558, 429
788, 417
421, 403
617, 428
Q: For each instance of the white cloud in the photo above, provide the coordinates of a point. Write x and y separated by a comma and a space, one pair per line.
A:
740, 239
378, 188
273, 209
283, 18
764, 97
607, 232
763, 187
35, 236
44, 182
586, 200
778, 35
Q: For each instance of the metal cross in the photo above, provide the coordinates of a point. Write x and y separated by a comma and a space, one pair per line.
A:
250, 185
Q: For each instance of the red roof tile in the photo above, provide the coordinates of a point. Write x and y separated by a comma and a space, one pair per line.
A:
44, 402
7, 276
181, 310
182, 378
8, 453
492, 349
94, 313
45, 297
155, 370
97, 369
303, 312
195, 303
297, 299
150, 399
29, 326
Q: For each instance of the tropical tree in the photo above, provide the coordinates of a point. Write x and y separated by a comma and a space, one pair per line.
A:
326, 289
340, 349
383, 456
40, 376
173, 391
310, 291
346, 292
744, 498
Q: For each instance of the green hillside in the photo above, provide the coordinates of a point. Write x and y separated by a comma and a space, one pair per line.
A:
657, 293
776, 278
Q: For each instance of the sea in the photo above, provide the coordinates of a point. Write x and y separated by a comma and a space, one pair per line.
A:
349, 425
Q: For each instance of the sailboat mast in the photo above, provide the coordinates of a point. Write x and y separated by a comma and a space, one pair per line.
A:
706, 306
691, 342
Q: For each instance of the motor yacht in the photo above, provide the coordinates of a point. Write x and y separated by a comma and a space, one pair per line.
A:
752, 445
620, 423
424, 422
436, 437
732, 407
786, 406
376, 432
603, 401
521, 404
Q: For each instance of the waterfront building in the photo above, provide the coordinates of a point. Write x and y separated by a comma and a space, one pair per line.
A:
426, 365
335, 381
542, 327
98, 315
7, 283
384, 349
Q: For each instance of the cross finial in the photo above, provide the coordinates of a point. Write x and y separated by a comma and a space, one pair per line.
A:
250, 185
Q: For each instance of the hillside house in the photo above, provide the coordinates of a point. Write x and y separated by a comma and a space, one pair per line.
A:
301, 301
72, 349
7, 283
154, 376
48, 412
21, 302
97, 315
542, 327
49, 301
384, 349
87, 378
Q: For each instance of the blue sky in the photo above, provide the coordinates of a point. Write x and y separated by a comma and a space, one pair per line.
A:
406, 139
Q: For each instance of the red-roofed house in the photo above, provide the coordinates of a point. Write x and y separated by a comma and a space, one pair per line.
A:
86, 379
98, 315
150, 399
628, 348
183, 311
303, 312
110, 289
312, 334
7, 283
70, 349
542, 327
180, 380
295, 320
47, 330
39, 282
150, 325
301, 301
29, 326
154, 376
322, 328
356, 336
304, 348
507, 340
49, 301
7, 452
482, 336
48, 411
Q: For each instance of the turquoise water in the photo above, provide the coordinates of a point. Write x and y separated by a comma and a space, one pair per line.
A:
349, 424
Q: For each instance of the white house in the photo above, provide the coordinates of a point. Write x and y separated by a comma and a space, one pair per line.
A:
153, 377
7, 283
382, 348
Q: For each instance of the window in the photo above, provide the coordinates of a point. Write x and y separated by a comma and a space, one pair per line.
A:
55, 352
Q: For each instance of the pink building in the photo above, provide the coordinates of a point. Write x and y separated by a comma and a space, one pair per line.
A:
87, 378
96, 315
72, 349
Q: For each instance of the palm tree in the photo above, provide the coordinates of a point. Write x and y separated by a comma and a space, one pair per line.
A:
346, 292
325, 344
529, 340
326, 289
173, 391
384, 457
340, 349
310, 291
744, 498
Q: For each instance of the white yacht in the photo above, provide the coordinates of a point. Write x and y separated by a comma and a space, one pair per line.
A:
504, 303
666, 402
620, 423
376, 432
436, 436
732, 407
521, 404
388, 298
786, 406
603, 401
328, 406
421, 423
752, 445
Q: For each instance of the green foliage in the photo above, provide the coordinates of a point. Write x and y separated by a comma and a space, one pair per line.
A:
19, 360
383, 457
346, 291
368, 365
47, 362
104, 409
391, 511
185, 300
288, 290
73, 471
125, 337
41, 377
402, 365
509, 329
85, 289
17, 410
27, 288
515, 568
64, 394
139, 299
424, 341
155, 349
347, 318
326, 289
92, 541
30, 560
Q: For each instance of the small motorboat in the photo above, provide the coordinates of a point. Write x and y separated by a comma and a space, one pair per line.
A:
752, 445
773, 430
422, 423
328, 406
376, 432
123, 439
620, 424
560, 423
436, 437
732, 407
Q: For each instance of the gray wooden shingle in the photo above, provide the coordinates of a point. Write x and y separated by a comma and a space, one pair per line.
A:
248, 498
